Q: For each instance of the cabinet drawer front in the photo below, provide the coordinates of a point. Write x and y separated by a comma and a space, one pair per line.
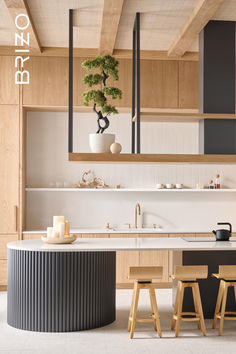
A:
32, 236
3, 272
4, 239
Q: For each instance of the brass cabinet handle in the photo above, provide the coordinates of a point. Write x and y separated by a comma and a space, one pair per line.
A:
16, 217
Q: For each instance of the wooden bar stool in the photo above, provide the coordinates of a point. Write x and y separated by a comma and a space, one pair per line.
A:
227, 276
187, 278
142, 277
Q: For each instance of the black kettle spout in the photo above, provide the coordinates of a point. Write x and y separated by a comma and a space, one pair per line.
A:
214, 232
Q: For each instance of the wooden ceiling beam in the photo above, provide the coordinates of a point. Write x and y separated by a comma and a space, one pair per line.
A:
16, 7
93, 52
112, 10
201, 14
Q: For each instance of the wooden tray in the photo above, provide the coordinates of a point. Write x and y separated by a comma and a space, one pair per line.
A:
67, 239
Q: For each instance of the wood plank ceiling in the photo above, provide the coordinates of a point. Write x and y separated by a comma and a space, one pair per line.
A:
102, 25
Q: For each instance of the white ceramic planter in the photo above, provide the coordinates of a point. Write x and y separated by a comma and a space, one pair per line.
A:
100, 143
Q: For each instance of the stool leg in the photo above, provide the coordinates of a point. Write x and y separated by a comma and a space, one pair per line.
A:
196, 306
131, 313
134, 308
155, 308
179, 308
199, 305
218, 303
235, 292
176, 306
222, 314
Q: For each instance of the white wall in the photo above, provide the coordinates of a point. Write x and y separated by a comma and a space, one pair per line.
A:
47, 164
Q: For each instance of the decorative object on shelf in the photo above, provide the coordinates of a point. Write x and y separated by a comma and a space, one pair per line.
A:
217, 182
115, 148
169, 186
179, 186
107, 67
64, 240
59, 233
159, 186
91, 182
117, 186
211, 184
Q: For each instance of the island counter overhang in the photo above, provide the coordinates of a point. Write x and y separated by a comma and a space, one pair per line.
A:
58, 288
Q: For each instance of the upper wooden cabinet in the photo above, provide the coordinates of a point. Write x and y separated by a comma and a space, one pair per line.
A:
9, 168
188, 84
9, 91
48, 81
164, 83
159, 84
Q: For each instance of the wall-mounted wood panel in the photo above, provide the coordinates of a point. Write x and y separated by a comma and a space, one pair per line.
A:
188, 84
9, 168
159, 84
9, 91
48, 81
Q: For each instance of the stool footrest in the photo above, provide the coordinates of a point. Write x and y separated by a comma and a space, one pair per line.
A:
226, 315
145, 319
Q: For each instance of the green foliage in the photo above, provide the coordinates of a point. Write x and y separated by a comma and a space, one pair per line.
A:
105, 63
114, 92
109, 109
107, 66
92, 79
97, 96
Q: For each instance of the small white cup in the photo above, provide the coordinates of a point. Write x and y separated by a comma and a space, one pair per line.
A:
159, 185
179, 185
169, 185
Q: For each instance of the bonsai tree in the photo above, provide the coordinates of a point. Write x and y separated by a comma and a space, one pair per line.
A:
106, 66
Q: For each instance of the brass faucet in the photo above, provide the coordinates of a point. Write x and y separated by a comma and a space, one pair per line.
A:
137, 212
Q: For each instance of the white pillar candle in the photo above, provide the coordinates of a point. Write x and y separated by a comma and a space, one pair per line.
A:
67, 228
57, 220
49, 232
61, 229
55, 233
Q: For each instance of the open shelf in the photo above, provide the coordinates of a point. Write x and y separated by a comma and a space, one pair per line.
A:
153, 115
143, 190
152, 158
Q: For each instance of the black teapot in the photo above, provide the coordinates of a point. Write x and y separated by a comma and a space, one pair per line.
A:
223, 234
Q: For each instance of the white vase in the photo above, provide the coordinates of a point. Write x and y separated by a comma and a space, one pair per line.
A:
100, 143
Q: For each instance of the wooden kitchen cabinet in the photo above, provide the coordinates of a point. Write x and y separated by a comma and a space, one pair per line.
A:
159, 83
4, 239
188, 84
124, 260
32, 236
3, 273
155, 258
9, 169
95, 235
9, 91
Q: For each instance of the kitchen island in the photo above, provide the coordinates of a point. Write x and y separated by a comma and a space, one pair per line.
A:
71, 287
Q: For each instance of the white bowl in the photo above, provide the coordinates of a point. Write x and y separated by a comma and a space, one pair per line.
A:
169, 186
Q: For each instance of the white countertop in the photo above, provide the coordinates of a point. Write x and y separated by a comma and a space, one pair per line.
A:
124, 230
124, 244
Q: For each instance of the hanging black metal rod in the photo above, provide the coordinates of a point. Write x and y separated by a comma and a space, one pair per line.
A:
138, 80
133, 91
70, 90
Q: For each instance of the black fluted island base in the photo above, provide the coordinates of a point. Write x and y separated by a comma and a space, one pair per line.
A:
60, 291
